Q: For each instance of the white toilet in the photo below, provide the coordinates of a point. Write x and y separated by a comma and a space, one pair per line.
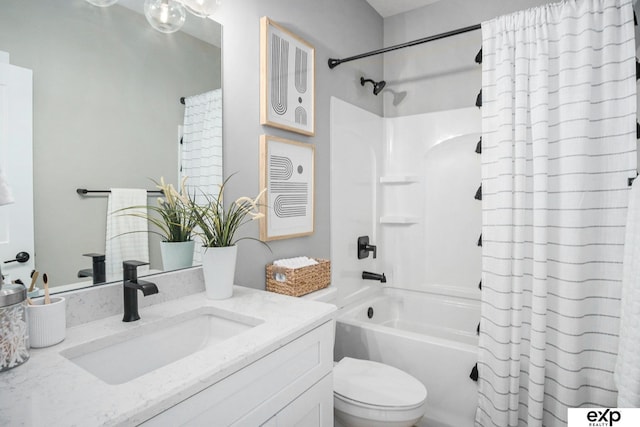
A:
372, 394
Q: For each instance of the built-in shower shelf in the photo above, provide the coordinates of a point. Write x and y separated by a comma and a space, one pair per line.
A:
399, 219
399, 179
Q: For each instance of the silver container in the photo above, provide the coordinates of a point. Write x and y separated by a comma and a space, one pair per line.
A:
14, 330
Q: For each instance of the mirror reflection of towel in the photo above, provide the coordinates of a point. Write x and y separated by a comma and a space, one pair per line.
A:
5, 192
127, 235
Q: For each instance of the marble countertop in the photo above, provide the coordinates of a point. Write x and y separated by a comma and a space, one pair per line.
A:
50, 390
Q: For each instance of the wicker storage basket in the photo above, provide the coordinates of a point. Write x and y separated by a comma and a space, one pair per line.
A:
299, 281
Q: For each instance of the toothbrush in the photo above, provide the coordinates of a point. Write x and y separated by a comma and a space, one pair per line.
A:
45, 279
34, 277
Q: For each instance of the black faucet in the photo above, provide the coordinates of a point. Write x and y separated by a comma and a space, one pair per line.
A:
367, 275
98, 270
364, 248
131, 285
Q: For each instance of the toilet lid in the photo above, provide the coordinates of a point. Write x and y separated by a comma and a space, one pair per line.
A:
377, 384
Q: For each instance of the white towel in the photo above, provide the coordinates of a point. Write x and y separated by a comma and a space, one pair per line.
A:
298, 262
627, 371
5, 192
134, 245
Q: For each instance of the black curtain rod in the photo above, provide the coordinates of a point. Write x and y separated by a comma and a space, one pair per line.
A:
84, 191
335, 62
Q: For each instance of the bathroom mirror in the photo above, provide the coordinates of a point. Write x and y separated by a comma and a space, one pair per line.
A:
106, 114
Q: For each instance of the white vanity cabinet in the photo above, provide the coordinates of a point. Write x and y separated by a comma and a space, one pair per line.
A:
291, 386
275, 371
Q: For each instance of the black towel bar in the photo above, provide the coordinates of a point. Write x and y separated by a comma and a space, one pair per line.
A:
84, 191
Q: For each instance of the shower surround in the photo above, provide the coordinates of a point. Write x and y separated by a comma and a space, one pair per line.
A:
412, 194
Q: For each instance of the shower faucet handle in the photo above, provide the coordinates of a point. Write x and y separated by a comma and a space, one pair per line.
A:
364, 248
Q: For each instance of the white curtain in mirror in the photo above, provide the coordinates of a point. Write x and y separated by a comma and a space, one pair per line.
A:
201, 152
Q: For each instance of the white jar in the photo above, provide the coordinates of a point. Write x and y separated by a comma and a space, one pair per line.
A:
47, 322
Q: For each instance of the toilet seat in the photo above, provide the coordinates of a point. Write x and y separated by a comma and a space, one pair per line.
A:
367, 406
374, 385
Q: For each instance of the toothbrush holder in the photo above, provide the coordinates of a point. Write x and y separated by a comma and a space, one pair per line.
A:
47, 322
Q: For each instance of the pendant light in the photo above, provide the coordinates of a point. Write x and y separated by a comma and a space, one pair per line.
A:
166, 16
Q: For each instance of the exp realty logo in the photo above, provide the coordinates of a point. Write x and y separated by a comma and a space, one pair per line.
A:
603, 417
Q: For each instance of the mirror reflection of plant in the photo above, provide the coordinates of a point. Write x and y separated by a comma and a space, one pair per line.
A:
175, 217
217, 227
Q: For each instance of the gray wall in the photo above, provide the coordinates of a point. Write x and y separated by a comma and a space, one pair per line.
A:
106, 89
336, 28
439, 75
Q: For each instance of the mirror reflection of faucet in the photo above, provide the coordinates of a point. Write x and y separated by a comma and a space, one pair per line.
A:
364, 248
98, 269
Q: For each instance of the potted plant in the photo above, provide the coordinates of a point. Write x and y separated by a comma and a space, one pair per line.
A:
217, 229
175, 222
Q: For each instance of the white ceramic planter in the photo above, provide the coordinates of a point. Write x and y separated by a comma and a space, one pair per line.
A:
47, 322
177, 255
219, 267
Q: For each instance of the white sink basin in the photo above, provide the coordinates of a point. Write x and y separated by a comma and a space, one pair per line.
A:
124, 356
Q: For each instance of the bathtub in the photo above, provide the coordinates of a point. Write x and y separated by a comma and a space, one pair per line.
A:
432, 337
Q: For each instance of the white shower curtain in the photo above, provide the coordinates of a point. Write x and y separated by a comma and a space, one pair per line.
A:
558, 133
201, 153
201, 150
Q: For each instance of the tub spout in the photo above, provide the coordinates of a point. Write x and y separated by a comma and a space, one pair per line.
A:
367, 275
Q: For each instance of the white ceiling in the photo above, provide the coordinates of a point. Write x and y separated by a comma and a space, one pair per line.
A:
392, 7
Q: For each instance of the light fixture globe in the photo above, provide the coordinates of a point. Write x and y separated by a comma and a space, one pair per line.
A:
166, 16
202, 8
102, 3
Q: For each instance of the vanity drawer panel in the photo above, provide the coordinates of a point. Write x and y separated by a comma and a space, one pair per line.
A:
314, 408
252, 395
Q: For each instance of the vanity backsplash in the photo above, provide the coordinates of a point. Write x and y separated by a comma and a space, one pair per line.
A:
97, 302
